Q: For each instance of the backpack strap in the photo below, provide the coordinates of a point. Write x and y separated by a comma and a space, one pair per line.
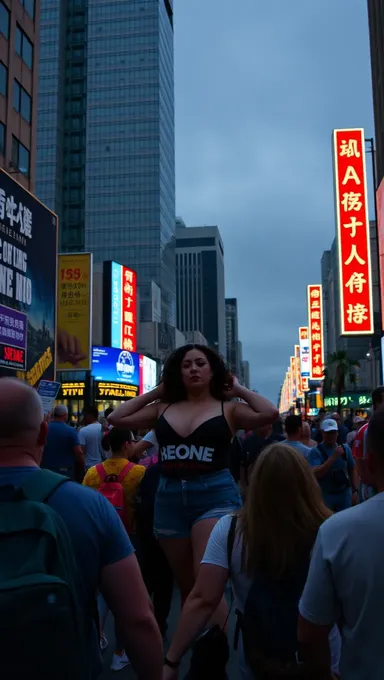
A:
125, 471
231, 541
323, 456
101, 471
40, 486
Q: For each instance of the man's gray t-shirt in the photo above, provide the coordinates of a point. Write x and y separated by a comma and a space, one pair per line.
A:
90, 437
305, 450
345, 583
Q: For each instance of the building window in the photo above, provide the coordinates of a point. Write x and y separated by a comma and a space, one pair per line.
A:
29, 6
4, 20
3, 79
24, 47
20, 156
22, 102
2, 139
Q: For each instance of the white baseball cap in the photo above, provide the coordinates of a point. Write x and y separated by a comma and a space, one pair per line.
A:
329, 425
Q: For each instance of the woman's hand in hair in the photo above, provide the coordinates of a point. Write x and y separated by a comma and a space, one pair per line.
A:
234, 388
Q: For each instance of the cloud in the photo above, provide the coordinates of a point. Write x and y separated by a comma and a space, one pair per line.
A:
259, 88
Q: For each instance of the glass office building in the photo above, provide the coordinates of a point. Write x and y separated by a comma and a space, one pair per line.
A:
105, 157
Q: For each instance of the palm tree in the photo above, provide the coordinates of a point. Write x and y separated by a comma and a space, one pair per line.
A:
338, 368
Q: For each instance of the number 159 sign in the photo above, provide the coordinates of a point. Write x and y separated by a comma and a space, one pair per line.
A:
74, 299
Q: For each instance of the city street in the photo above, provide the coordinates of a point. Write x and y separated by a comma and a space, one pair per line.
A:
129, 674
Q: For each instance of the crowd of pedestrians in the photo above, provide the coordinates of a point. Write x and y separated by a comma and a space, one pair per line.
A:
218, 495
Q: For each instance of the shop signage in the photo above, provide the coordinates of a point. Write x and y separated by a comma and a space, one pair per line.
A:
73, 389
304, 352
352, 227
350, 400
111, 390
316, 331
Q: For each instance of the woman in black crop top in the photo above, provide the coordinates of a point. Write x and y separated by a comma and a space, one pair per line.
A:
194, 421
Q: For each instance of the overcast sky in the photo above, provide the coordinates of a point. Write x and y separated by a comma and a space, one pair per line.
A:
260, 84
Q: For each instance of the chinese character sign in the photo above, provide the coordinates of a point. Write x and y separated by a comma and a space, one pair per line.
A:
297, 372
123, 307
74, 300
352, 225
28, 259
305, 356
293, 377
315, 330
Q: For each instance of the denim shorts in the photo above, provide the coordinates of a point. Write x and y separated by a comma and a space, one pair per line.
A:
180, 503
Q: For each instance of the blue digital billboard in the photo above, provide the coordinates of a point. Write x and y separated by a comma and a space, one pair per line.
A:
116, 365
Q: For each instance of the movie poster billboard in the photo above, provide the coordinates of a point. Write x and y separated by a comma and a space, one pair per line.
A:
28, 258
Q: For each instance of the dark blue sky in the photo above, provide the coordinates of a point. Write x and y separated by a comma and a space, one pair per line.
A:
259, 87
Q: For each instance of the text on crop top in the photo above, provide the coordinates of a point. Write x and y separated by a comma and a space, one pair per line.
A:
205, 450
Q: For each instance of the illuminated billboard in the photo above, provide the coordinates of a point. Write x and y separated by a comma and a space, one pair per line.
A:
115, 368
148, 374
352, 227
297, 372
316, 331
293, 377
305, 356
120, 320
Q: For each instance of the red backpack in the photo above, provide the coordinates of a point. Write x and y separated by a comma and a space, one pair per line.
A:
112, 489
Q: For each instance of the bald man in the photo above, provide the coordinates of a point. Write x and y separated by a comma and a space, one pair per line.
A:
62, 450
102, 549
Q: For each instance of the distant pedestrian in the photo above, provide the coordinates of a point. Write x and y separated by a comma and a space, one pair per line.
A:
334, 469
343, 431
62, 450
306, 437
90, 437
294, 432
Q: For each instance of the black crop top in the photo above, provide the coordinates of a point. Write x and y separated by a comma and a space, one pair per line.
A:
205, 450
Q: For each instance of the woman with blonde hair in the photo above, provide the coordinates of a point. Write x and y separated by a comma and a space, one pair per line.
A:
265, 548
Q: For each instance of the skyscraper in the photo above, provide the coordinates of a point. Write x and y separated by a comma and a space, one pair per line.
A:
232, 335
105, 160
376, 30
19, 28
200, 283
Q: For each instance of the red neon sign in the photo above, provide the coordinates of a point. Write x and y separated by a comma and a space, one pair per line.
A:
352, 226
316, 331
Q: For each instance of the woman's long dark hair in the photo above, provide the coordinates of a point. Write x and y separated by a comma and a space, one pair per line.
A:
174, 388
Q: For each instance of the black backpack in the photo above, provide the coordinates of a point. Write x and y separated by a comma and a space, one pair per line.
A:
270, 620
